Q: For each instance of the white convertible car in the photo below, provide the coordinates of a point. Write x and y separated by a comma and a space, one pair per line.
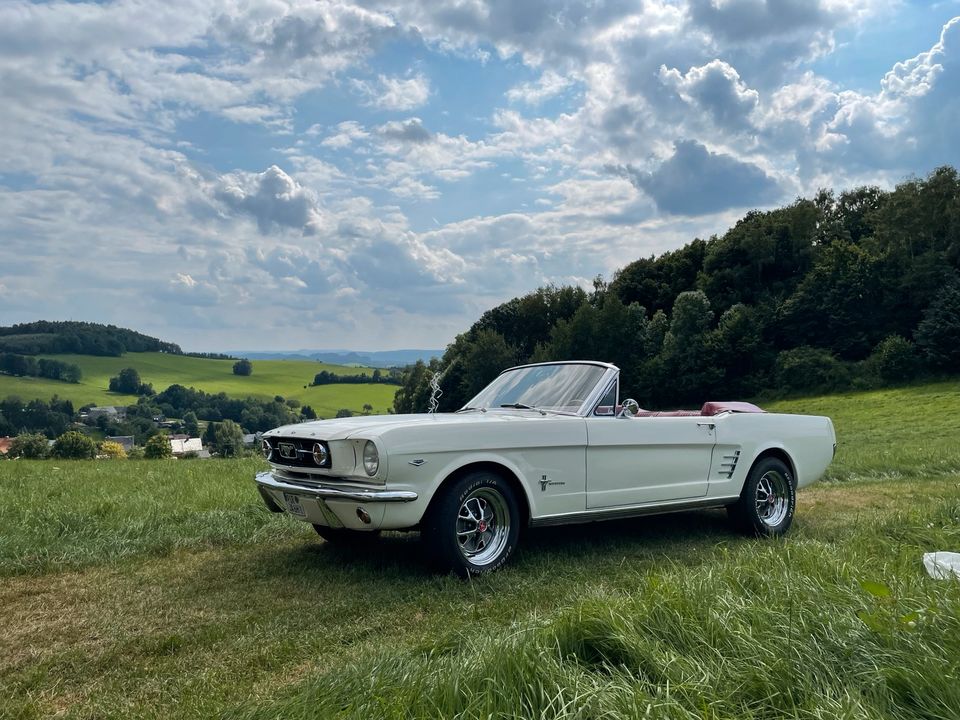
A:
541, 445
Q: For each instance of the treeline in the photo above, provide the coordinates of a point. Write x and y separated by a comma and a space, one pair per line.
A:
392, 377
27, 366
854, 290
253, 414
51, 418
82, 338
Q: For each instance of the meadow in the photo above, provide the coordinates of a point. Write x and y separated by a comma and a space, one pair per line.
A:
164, 590
270, 377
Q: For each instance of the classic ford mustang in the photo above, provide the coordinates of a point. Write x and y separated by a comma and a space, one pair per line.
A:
541, 445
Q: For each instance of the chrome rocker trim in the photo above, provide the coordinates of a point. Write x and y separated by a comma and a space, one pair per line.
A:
267, 479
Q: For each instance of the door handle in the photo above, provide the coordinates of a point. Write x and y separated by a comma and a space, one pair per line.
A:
707, 425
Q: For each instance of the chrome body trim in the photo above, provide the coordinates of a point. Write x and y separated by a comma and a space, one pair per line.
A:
618, 513
268, 480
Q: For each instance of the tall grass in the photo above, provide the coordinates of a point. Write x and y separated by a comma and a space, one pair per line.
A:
163, 590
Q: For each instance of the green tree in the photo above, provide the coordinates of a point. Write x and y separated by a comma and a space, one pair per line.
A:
243, 367
367, 408
127, 382
344, 413
688, 369
73, 445
228, 439
308, 413
191, 425
938, 335
29, 446
157, 448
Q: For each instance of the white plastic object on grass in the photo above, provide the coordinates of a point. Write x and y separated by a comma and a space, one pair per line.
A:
942, 565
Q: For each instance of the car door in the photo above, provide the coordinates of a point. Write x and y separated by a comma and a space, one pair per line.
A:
632, 461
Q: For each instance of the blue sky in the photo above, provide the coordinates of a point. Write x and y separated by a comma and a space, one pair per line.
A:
280, 174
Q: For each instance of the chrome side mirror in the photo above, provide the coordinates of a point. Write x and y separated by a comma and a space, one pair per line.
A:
630, 408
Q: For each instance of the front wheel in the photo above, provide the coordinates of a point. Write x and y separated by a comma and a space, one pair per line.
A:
768, 499
473, 526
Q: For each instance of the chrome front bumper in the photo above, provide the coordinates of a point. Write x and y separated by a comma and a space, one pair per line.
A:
273, 490
324, 492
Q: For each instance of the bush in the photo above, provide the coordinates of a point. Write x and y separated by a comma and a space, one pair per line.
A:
895, 360
112, 450
243, 367
157, 448
73, 445
806, 368
29, 446
344, 413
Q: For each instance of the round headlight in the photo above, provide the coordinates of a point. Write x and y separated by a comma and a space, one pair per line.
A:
371, 458
320, 455
266, 449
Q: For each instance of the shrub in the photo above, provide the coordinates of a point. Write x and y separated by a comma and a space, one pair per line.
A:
810, 369
344, 413
895, 360
73, 445
29, 446
157, 448
243, 367
112, 450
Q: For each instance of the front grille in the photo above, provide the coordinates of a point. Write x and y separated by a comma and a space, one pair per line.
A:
296, 452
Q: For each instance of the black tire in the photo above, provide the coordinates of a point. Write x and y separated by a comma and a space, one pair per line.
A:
346, 536
768, 499
473, 526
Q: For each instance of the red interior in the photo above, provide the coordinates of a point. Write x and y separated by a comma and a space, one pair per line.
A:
709, 409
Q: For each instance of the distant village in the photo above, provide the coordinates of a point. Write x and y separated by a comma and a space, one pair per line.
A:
181, 445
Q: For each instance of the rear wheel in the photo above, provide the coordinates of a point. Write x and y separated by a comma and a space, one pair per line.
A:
768, 499
346, 535
474, 525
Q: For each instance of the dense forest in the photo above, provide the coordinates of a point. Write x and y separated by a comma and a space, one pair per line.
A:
854, 290
82, 338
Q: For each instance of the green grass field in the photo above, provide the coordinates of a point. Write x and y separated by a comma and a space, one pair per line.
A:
164, 590
269, 378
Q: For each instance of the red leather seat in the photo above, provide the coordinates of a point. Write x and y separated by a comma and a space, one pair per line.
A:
710, 409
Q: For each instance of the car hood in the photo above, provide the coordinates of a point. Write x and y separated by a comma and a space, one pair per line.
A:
370, 425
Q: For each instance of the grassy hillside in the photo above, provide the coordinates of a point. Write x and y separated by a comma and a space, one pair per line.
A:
269, 378
164, 590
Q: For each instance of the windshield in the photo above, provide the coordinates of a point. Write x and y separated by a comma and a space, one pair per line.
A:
561, 388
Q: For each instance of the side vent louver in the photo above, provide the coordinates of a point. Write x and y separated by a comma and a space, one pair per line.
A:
729, 464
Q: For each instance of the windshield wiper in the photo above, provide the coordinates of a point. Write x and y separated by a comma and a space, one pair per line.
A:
518, 406
465, 409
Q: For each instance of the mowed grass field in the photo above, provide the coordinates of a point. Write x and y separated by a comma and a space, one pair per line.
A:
269, 378
164, 590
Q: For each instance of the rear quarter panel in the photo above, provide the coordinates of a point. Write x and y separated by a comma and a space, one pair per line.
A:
808, 440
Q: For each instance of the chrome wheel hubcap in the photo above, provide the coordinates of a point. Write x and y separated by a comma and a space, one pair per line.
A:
773, 498
483, 526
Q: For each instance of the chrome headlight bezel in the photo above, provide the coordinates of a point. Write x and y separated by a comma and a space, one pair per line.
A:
266, 449
321, 456
371, 458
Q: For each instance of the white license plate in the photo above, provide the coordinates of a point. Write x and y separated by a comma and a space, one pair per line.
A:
293, 504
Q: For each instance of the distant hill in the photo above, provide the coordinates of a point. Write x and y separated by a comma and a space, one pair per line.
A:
378, 359
83, 338
289, 378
